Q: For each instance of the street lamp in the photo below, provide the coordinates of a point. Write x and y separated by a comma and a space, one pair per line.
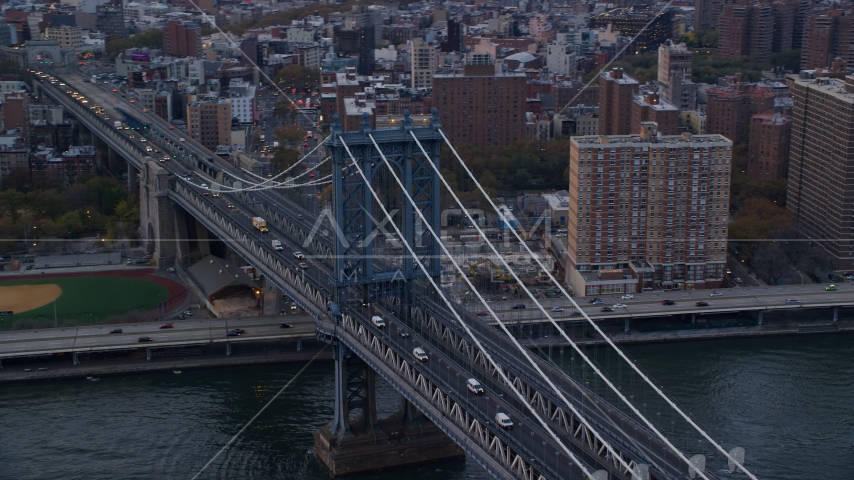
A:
802, 276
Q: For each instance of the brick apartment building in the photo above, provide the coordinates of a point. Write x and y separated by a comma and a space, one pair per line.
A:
728, 110
768, 148
828, 35
746, 30
616, 94
647, 211
649, 107
820, 188
480, 107
182, 39
209, 123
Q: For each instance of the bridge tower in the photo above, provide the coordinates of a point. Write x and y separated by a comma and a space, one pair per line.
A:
372, 267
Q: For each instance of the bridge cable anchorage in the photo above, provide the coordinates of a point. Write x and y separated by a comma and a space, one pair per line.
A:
592, 323
618, 55
252, 62
270, 402
447, 302
522, 349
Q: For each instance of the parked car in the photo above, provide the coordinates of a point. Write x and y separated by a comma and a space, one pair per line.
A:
702, 304
420, 354
474, 386
188, 313
117, 330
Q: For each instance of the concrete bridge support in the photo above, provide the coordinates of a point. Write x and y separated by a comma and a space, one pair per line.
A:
157, 216
362, 442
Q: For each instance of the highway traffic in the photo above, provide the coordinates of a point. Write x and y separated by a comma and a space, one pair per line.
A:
21, 343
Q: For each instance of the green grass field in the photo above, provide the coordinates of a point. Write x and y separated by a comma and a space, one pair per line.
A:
87, 300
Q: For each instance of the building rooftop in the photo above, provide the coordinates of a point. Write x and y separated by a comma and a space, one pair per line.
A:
687, 139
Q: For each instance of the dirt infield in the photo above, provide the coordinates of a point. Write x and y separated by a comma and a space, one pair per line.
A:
23, 298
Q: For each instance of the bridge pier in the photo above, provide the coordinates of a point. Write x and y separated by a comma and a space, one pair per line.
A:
299, 344
227, 349
361, 443
760, 318
835, 314
627, 325
75, 358
148, 354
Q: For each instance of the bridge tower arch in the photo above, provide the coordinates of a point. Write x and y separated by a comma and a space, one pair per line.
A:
372, 267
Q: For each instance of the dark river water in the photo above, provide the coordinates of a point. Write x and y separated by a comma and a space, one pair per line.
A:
789, 401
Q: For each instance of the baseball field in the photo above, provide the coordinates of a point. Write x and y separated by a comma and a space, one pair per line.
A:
67, 300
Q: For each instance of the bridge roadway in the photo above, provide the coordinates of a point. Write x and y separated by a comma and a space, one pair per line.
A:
97, 338
645, 305
310, 289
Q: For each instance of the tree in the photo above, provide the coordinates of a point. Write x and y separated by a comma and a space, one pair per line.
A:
771, 262
283, 158
789, 60
283, 108
12, 203
149, 39
289, 134
18, 179
297, 77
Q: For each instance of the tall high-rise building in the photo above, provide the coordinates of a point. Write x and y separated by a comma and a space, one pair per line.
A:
209, 123
110, 19
746, 29
728, 110
647, 211
182, 39
785, 12
616, 93
423, 63
480, 107
820, 188
707, 13
454, 43
675, 67
826, 36
768, 148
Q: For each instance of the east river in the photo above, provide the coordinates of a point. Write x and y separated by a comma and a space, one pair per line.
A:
789, 401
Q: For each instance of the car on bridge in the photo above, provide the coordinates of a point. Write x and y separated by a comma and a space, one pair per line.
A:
145, 339
402, 333
792, 300
286, 325
231, 333
716, 294
830, 288
575, 313
519, 306
420, 354
474, 386
481, 313
619, 305
627, 296
503, 421
378, 321
607, 309
299, 255
702, 304
595, 301
167, 325
303, 265
668, 302
557, 309
117, 330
